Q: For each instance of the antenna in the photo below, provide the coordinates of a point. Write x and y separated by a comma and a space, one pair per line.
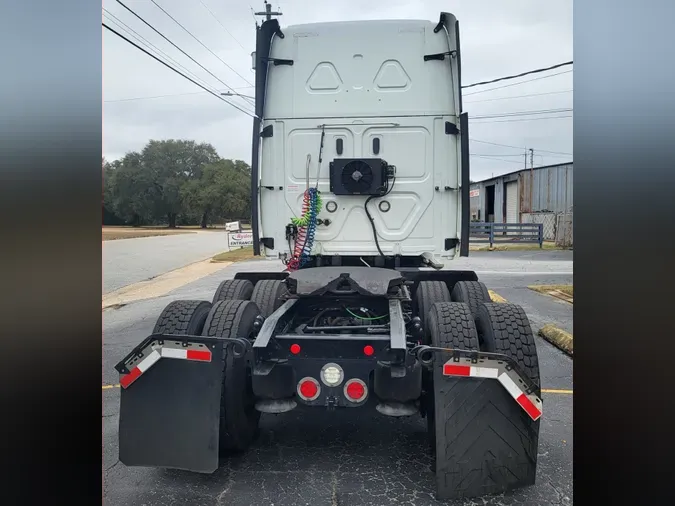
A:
268, 12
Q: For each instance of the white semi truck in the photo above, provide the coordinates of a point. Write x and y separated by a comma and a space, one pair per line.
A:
360, 185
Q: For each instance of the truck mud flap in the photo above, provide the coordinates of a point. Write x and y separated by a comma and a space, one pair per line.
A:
487, 416
170, 402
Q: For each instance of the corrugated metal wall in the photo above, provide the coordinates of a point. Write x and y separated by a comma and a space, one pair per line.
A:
548, 189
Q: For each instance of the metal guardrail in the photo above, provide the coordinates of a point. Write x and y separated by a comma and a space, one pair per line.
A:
495, 233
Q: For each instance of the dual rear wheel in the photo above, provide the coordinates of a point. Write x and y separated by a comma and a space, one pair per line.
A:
232, 313
483, 442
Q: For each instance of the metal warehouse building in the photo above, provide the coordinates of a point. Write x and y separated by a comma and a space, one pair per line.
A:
536, 195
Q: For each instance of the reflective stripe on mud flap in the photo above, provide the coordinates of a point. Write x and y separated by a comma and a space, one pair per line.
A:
507, 377
191, 352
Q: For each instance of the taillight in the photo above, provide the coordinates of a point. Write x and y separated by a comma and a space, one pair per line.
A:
368, 350
355, 390
295, 349
308, 389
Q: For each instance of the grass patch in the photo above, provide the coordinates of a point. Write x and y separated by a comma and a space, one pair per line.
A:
236, 255
566, 289
115, 233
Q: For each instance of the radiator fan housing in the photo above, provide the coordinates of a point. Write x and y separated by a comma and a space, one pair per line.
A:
358, 176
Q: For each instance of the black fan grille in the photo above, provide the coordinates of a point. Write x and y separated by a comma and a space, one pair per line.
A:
363, 180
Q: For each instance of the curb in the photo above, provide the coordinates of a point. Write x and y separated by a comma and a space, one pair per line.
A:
559, 338
160, 285
495, 297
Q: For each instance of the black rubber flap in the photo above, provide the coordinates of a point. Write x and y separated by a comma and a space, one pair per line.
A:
169, 416
362, 280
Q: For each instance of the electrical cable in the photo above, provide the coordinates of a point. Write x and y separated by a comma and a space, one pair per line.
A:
519, 75
518, 147
516, 84
133, 33
387, 191
523, 119
203, 45
518, 96
228, 32
176, 71
522, 113
174, 45
364, 317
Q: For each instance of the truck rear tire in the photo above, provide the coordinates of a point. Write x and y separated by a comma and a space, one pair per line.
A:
238, 417
486, 443
234, 289
428, 293
504, 328
473, 293
267, 295
450, 325
183, 317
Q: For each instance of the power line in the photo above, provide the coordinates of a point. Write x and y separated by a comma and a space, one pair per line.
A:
487, 154
517, 147
519, 75
167, 96
176, 71
147, 43
523, 113
228, 32
518, 96
174, 45
499, 159
203, 45
523, 119
517, 84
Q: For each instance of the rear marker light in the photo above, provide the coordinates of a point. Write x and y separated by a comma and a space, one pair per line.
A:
368, 350
295, 349
355, 390
308, 389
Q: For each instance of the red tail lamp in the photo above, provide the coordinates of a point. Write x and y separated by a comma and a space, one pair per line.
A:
308, 389
355, 390
295, 349
368, 350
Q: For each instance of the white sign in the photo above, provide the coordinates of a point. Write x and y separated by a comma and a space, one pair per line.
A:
239, 239
233, 226
474, 193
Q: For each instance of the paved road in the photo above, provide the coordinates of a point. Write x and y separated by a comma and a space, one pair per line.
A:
333, 458
127, 261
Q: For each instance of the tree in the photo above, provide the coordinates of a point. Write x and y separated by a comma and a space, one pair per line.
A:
134, 191
172, 164
223, 191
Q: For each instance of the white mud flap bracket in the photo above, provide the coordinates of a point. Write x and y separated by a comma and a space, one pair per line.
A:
475, 364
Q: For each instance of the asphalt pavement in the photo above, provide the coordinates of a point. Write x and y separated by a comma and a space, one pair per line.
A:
320, 458
127, 261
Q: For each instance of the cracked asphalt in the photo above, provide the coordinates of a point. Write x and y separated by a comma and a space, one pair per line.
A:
318, 458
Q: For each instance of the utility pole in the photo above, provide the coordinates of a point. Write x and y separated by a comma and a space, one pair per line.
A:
531, 158
268, 12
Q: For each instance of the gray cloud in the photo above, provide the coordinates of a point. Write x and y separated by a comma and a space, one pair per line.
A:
498, 38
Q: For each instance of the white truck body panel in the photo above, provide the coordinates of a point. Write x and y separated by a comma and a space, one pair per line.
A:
357, 81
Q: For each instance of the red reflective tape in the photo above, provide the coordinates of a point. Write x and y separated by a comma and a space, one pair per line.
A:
528, 406
128, 379
203, 355
456, 370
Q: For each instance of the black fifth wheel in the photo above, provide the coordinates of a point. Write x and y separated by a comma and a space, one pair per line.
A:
485, 443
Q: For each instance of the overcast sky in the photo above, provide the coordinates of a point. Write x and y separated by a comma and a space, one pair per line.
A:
498, 38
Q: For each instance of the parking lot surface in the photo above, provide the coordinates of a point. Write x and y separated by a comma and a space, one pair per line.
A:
334, 458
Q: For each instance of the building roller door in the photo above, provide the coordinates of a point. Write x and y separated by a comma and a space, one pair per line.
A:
512, 202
